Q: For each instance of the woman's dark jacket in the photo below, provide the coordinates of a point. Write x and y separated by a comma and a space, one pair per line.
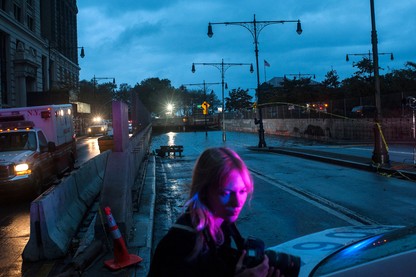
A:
171, 257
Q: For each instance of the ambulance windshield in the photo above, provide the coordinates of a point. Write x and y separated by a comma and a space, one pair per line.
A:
17, 141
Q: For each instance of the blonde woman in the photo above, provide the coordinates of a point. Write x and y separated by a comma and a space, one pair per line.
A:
201, 241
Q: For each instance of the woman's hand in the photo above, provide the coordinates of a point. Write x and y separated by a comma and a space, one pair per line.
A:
262, 270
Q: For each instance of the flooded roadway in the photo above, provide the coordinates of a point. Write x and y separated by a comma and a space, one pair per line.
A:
293, 196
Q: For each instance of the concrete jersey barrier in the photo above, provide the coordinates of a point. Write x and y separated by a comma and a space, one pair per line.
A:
57, 213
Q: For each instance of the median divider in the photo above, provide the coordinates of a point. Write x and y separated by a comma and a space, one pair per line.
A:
89, 180
116, 191
33, 250
56, 215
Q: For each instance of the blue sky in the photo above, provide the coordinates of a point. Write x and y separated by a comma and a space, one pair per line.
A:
132, 40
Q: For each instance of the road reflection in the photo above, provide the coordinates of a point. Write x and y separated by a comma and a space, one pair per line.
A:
171, 136
14, 231
87, 148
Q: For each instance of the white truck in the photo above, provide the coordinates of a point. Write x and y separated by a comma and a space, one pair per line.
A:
98, 126
37, 144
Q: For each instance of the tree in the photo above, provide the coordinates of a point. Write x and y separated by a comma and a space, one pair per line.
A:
99, 96
331, 79
155, 94
123, 94
192, 98
213, 100
365, 68
238, 99
189, 99
86, 92
268, 94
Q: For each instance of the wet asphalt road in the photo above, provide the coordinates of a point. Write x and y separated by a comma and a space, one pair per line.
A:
293, 196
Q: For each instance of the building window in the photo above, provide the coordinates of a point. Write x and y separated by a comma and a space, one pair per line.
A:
30, 23
3, 70
44, 73
17, 12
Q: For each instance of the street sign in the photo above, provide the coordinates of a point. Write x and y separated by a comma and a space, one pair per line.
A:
205, 107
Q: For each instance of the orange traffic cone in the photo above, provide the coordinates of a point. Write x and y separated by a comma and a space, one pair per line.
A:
122, 258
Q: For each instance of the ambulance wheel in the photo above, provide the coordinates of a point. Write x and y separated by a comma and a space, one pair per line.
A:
37, 185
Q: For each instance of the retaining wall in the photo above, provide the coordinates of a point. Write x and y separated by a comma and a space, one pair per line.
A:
328, 129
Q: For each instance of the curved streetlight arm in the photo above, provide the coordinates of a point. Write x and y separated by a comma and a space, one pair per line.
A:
222, 66
201, 84
391, 55
369, 54
255, 27
301, 74
82, 52
105, 78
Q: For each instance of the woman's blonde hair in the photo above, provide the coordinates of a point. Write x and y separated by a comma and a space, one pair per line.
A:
211, 171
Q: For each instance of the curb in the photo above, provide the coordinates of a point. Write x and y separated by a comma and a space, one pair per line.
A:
143, 221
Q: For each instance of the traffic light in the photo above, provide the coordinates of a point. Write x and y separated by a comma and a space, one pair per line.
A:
255, 105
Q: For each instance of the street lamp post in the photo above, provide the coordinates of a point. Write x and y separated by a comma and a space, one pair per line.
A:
380, 153
255, 27
205, 85
222, 67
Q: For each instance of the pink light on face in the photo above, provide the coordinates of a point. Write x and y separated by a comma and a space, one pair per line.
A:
228, 202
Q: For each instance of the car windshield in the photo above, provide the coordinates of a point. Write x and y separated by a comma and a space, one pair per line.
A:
369, 249
16, 141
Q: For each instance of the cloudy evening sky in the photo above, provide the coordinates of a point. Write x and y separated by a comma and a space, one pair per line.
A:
132, 40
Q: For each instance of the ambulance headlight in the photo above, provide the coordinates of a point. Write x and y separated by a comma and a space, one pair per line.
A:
22, 169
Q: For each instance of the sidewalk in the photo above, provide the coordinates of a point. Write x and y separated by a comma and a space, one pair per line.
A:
141, 242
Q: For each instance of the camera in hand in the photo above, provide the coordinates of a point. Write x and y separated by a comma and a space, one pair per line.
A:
289, 265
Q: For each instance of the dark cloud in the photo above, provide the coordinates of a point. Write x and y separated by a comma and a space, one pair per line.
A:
136, 40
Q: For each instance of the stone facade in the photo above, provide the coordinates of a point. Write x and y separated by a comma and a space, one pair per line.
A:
38, 49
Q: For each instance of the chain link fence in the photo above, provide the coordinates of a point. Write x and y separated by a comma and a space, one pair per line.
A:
333, 120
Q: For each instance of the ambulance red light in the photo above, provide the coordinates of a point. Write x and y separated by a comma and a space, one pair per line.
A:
45, 114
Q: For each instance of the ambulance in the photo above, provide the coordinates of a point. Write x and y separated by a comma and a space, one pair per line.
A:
37, 145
